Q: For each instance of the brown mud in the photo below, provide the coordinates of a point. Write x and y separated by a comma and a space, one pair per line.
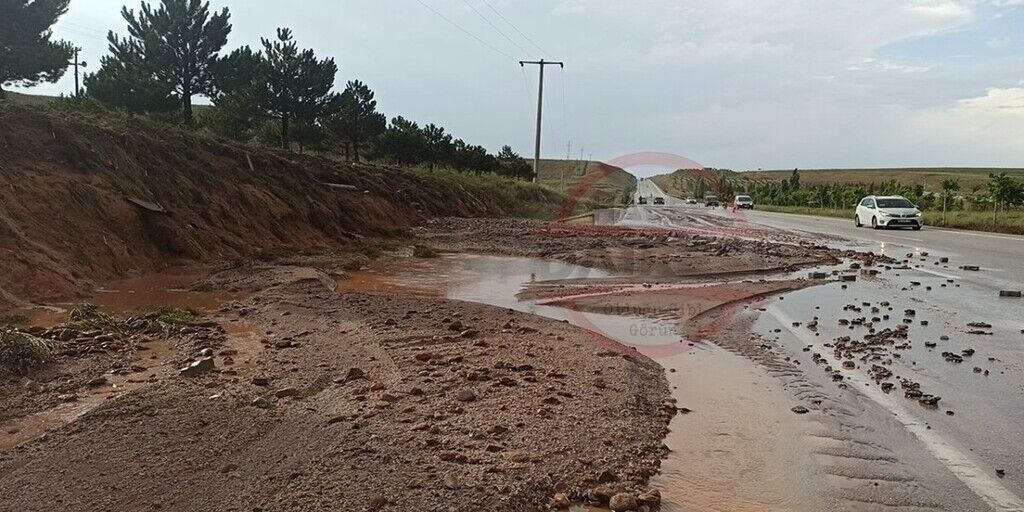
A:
319, 394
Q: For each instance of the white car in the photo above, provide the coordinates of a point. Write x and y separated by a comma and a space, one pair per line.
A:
744, 202
888, 212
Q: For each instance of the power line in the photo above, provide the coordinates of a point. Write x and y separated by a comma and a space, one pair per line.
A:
495, 27
488, 4
464, 31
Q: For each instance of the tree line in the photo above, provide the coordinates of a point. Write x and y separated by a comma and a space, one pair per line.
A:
275, 94
1002, 192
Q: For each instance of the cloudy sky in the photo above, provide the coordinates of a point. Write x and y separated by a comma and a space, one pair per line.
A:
742, 84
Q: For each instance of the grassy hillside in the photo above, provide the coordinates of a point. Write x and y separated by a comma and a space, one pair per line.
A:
18, 98
971, 178
596, 181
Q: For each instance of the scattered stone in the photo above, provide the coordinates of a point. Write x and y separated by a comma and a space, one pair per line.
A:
650, 497
354, 374
606, 477
287, 392
466, 395
199, 367
622, 502
560, 501
800, 409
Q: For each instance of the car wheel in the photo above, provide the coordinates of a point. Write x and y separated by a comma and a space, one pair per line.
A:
917, 228
856, 221
874, 223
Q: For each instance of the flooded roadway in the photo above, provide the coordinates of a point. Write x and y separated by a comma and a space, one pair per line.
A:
859, 448
741, 449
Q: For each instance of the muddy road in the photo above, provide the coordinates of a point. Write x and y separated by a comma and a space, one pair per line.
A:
508, 365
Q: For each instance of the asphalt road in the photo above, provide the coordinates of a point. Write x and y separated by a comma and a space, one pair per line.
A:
1000, 256
961, 457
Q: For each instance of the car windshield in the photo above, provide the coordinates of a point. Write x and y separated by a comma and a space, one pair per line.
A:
711, 198
743, 198
894, 203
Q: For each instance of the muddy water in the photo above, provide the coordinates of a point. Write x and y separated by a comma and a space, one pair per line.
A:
140, 294
154, 359
978, 427
741, 449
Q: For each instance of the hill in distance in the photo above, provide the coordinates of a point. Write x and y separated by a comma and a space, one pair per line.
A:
597, 181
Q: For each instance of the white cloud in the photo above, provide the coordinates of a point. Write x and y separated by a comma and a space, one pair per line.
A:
997, 100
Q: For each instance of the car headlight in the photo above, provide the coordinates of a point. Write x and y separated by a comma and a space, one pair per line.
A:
917, 214
885, 214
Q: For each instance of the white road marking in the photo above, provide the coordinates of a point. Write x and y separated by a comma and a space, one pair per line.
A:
984, 235
937, 273
988, 488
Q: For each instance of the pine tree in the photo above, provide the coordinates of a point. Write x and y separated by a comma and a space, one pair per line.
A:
298, 85
357, 120
124, 81
28, 55
173, 47
512, 165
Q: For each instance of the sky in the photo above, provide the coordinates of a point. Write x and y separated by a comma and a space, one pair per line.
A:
739, 84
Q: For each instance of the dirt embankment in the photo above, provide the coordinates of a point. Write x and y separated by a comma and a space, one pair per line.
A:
85, 200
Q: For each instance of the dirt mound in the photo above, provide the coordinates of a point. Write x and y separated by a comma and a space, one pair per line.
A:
90, 199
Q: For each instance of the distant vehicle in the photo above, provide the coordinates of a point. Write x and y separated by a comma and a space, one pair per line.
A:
744, 202
888, 212
690, 200
711, 201
641, 200
659, 200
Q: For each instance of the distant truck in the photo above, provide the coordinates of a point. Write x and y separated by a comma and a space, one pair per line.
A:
712, 201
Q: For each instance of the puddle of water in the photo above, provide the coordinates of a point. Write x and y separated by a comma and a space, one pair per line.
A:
137, 295
741, 449
151, 361
986, 431
722, 459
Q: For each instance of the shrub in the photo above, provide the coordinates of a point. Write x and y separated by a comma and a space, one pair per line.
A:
22, 353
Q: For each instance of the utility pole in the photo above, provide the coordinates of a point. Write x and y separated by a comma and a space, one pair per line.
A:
76, 63
540, 108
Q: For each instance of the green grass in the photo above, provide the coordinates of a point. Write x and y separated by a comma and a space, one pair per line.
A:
1009, 222
516, 198
169, 316
21, 353
89, 316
